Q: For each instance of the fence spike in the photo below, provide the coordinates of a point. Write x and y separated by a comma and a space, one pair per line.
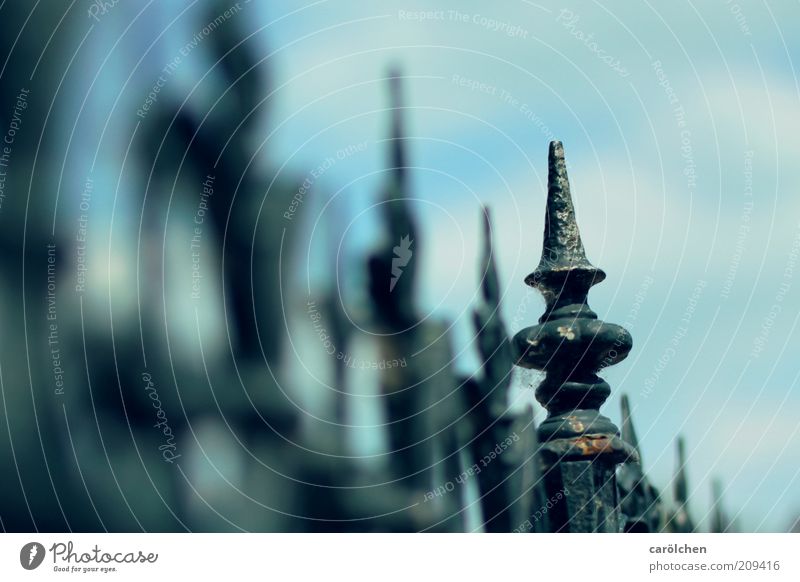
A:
629, 432
640, 502
490, 281
492, 336
397, 160
680, 520
489, 398
393, 267
391, 283
561, 229
580, 447
719, 520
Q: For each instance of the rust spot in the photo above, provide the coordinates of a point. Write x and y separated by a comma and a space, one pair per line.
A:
593, 445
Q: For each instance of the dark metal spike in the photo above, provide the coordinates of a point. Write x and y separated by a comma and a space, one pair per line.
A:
628, 431
681, 485
492, 336
393, 291
561, 231
581, 446
719, 521
681, 521
489, 403
397, 160
564, 274
490, 282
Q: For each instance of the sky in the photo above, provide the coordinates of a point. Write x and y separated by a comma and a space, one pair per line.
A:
679, 122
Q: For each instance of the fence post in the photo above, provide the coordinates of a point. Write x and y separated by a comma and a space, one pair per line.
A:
580, 447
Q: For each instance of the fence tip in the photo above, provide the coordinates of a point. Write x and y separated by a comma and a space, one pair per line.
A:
681, 522
397, 156
719, 521
563, 255
628, 430
681, 485
490, 281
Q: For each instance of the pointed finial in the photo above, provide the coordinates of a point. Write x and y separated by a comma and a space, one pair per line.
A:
492, 336
639, 500
490, 282
397, 159
564, 274
392, 268
681, 485
719, 521
629, 432
681, 522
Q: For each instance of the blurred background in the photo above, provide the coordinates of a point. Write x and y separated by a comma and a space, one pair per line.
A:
197, 199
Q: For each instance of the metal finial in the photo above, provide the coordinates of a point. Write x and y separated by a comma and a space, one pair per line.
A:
393, 290
570, 344
629, 432
681, 521
492, 336
490, 282
397, 159
681, 486
564, 274
719, 521
489, 396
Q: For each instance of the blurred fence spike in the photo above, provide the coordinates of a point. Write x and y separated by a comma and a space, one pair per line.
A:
580, 447
489, 400
490, 281
391, 280
680, 520
245, 74
719, 520
397, 152
442, 408
492, 335
640, 502
393, 266
629, 432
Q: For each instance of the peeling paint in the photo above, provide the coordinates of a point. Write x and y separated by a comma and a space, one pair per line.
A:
566, 331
